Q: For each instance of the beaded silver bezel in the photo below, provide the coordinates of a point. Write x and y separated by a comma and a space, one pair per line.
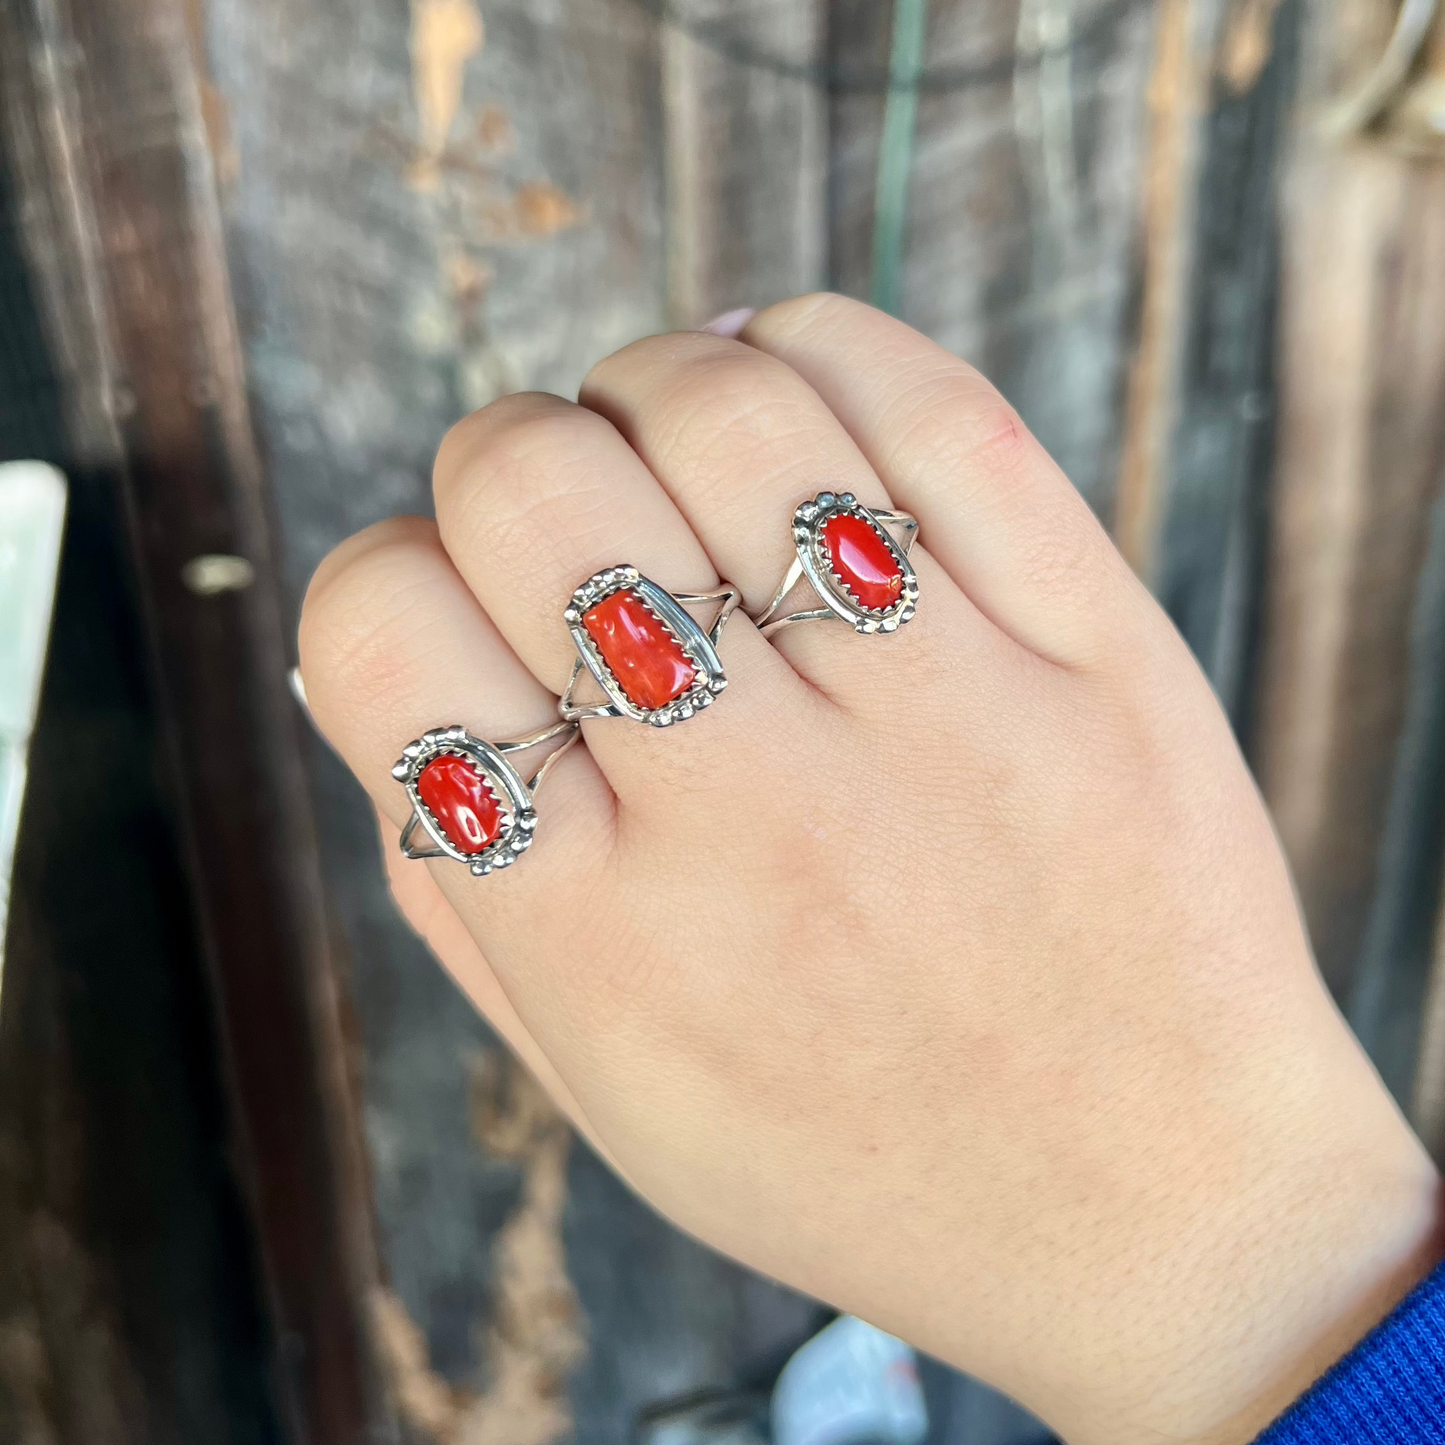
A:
519, 817
809, 520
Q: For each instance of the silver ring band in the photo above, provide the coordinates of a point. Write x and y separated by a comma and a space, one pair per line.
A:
852, 562
469, 799
653, 661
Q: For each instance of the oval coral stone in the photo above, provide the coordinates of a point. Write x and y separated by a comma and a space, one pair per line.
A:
462, 801
645, 658
863, 560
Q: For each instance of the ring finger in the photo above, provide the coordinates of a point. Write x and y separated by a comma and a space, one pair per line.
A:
534, 496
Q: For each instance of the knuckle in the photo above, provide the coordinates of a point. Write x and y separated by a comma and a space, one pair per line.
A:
691, 397
508, 432
349, 567
957, 420
800, 314
496, 468
643, 356
660, 373
730, 402
656, 365
999, 438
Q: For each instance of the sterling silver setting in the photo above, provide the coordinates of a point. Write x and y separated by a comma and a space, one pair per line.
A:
812, 561
515, 794
668, 608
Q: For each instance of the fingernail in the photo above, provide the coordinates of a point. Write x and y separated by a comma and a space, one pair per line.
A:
730, 323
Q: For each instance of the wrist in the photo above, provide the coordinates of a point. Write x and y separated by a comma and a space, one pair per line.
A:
1325, 1260
1244, 1264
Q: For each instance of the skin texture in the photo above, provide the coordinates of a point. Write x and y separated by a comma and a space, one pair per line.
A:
955, 976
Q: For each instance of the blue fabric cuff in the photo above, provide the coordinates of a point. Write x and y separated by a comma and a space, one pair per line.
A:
1390, 1390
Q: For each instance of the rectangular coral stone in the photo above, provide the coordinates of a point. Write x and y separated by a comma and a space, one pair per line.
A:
645, 658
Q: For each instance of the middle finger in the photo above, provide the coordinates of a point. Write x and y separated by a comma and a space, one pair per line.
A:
534, 495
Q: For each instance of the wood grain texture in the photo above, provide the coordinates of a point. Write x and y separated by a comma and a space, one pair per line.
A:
1186, 41
131, 1311
119, 133
745, 134
130, 1306
1362, 425
1206, 561
1399, 994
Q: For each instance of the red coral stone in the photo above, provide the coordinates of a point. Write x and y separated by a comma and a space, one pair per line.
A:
863, 560
462, 801
644, 656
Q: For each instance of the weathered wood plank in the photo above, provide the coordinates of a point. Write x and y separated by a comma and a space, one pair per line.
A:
443, 237
746, 153
130, 1309
1207, 562
117, 128
1398, 1001
1362, 424
1178, 92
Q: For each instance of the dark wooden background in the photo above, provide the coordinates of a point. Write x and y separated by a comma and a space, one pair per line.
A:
263, 1175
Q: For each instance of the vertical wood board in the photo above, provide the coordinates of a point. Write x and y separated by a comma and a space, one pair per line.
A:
745, 140
1361, 453
115, 126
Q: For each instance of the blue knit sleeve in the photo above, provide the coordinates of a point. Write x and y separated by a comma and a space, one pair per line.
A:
1390, 1390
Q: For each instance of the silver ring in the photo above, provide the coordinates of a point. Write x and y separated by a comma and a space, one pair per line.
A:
854, 564
653, 661
469, 799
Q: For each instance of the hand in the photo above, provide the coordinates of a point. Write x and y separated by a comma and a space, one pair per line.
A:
953, 976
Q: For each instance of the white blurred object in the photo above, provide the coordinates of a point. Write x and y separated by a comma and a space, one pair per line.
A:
213, 573
689, 1432
850, 1385
32, 518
